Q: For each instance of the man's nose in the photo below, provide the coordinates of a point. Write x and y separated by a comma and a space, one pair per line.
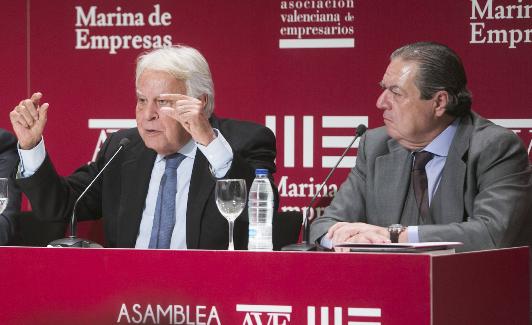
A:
151, 111
382, 101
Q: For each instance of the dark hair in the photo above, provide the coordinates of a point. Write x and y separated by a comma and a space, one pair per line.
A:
439, 68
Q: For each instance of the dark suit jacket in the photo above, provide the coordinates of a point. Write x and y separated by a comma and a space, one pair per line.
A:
8, 161
120, 194
483, 199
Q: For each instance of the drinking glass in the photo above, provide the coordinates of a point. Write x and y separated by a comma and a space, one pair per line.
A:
3, 194
231, 195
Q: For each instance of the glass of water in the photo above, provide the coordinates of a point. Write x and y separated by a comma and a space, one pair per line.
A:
3, 194
231, 196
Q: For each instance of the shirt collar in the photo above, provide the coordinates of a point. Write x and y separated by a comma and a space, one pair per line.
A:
188, 150
441, 144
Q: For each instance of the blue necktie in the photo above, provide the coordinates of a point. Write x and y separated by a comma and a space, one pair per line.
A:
164, 218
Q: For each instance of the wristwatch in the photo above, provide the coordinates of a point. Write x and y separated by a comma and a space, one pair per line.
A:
395, 230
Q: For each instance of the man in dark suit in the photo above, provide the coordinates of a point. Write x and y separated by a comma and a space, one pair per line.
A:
8, 160
437, 170
175, 126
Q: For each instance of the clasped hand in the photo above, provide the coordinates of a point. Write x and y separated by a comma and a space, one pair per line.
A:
357, 232
28, 119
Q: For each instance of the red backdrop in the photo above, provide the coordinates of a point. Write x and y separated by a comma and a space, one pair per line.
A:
304, 94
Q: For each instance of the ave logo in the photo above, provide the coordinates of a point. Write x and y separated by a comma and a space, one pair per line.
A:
265, 314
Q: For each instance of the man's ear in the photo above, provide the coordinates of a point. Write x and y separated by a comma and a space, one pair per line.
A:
203, 99
441, 99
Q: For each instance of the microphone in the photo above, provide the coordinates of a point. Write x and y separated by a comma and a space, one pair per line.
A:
73, 240
305, 245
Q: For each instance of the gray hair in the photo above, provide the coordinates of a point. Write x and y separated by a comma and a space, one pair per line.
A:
184, 63
439, 68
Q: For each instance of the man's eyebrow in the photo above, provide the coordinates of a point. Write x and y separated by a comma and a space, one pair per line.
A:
139, 93
383, 86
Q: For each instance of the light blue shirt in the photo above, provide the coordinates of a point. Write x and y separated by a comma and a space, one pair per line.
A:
439, 147
218, 153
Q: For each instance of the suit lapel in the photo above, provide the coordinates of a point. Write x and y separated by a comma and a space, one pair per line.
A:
136, 174
201, 187
450, 192
392, 177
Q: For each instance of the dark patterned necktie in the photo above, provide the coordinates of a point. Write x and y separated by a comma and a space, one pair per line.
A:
164, 217
420, 183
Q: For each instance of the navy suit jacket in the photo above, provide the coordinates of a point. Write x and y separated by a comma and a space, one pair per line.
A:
8, 161
120, 194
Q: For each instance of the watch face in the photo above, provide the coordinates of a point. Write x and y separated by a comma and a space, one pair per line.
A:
394, 231
395, 227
